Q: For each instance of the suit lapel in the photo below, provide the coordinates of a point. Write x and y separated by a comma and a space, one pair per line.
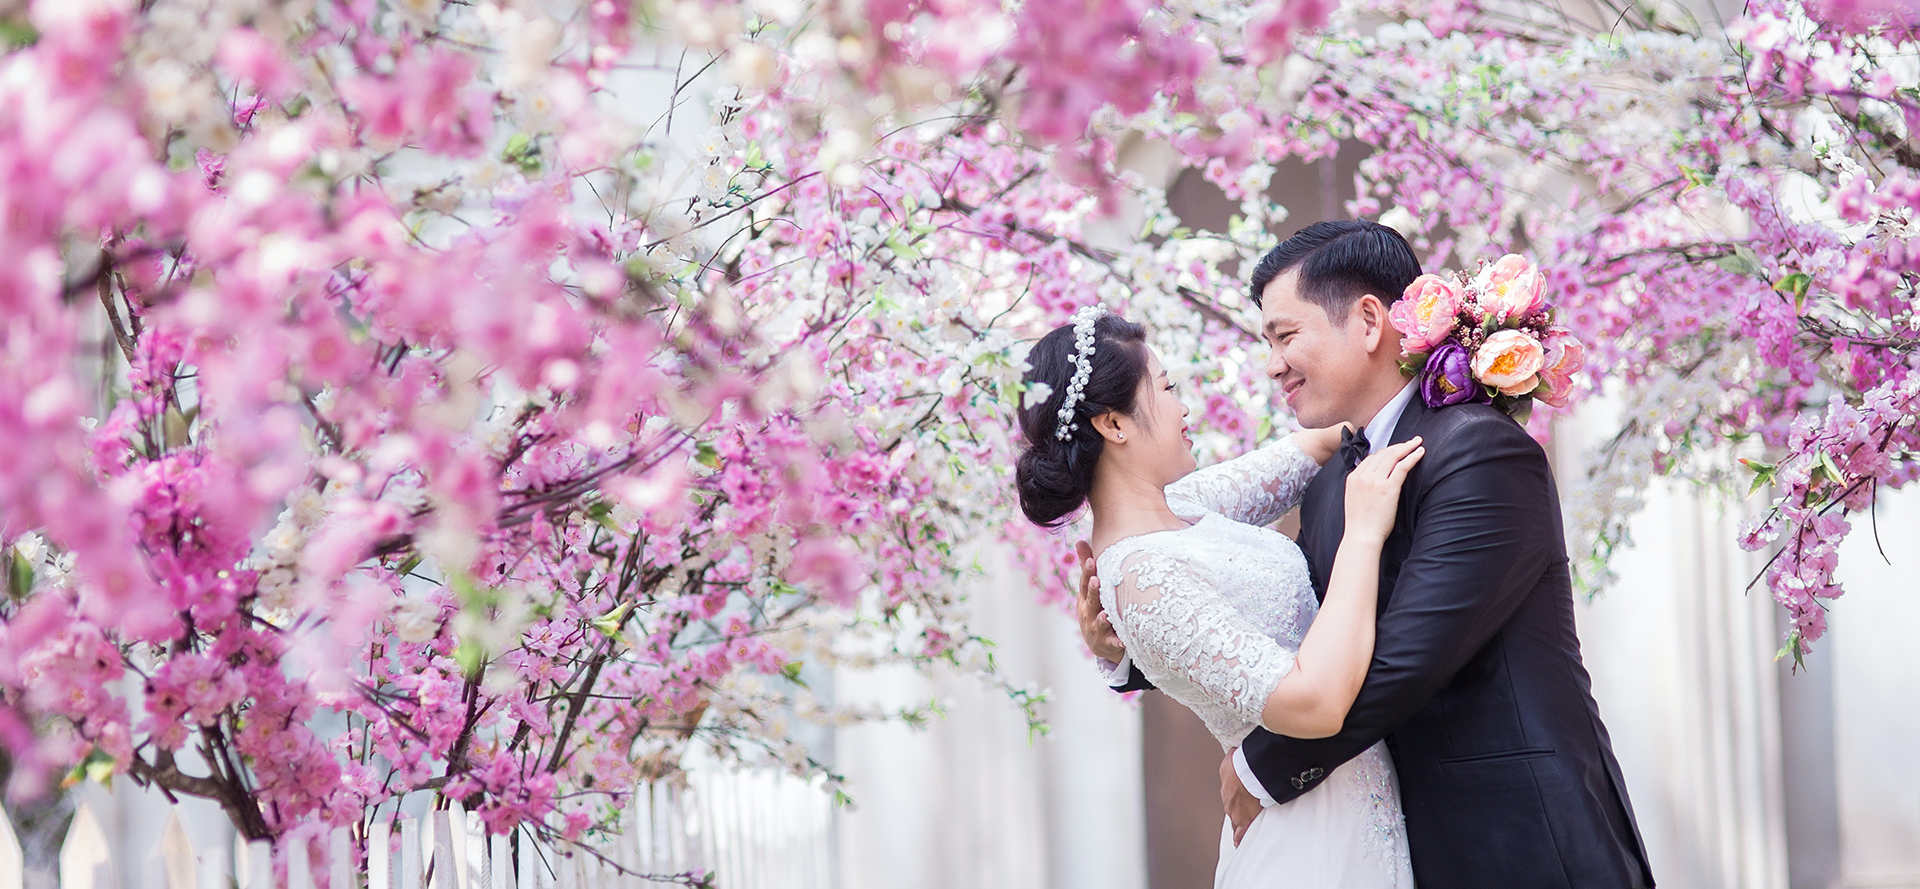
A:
1411, 419
1323, 519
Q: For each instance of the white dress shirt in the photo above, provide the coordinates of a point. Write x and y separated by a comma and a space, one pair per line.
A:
1379, 432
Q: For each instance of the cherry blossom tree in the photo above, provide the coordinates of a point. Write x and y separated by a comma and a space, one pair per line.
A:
395, 403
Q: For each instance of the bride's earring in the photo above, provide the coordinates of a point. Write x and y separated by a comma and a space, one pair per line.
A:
1122, 438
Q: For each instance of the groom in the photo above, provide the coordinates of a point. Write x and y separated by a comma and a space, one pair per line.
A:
1506, 774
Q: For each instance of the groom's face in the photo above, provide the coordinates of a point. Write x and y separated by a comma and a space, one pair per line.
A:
1320, 362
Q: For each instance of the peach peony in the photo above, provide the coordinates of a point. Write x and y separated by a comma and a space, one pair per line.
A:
1510, 288
1510, 361
1424, 315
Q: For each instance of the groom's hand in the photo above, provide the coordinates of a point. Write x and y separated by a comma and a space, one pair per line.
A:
1095, 629
1242, 807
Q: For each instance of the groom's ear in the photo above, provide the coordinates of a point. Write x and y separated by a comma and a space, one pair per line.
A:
1370, 315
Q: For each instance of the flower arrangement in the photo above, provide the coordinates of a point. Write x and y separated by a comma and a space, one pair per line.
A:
1489, 338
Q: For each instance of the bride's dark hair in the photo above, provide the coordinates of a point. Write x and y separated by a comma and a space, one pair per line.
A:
1055, 476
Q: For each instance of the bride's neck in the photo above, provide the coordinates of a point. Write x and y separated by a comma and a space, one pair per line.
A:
1124, 505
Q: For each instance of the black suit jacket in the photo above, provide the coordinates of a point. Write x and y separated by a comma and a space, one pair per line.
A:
1506, 774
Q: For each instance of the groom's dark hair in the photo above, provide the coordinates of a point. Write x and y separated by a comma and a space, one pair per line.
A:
1339, 262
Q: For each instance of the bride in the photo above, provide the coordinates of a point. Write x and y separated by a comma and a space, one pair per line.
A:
1215, 608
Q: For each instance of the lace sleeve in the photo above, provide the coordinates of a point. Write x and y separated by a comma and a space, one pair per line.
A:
1174, 625
1257, 488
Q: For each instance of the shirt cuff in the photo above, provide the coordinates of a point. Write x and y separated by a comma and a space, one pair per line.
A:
1248, 780
1118, 674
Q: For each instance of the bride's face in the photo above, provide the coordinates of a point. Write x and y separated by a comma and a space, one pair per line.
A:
1157, 442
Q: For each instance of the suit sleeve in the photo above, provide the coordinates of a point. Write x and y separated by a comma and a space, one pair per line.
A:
1136, 680
1483, 535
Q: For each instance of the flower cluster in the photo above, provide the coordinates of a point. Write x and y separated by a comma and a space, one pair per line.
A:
1488, 339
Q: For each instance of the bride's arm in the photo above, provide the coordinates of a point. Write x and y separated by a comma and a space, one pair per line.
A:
1174, 625
1312, 700
1260, 486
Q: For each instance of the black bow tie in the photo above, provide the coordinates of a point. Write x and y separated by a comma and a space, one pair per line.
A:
1353, 447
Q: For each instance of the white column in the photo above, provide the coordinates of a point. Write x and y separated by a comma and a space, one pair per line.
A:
1876, 696
972, 801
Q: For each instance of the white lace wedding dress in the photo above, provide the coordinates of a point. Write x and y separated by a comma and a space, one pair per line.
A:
1212, 614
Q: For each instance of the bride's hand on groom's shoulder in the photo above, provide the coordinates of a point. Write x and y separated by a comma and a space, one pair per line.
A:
1373, 489
1320, 444
1095, 629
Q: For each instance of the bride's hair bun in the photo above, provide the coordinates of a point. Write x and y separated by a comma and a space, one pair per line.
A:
1054, 476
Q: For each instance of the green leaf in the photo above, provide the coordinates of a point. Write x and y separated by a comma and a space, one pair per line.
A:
1695, 178
792, 671
1413, 364
705, 455
1795, 284
602, 514
472, 596
1831, 468
903, 249
18, 34
470, 656
97, 767
1763, 474
609, 624
521, 151
100, 771
412, 562
19, 576
1795, 646
1742, 261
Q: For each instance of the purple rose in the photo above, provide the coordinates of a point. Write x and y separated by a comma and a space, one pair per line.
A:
1448, 376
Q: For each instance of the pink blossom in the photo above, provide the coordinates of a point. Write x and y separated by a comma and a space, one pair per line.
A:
1425, 314
1562, 356
1510, 288
824, 562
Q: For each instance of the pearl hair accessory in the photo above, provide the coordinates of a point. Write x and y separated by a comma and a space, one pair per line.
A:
1082, 359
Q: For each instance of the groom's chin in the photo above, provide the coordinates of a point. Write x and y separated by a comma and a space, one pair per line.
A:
1310, 416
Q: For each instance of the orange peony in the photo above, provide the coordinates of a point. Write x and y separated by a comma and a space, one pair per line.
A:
1510, 361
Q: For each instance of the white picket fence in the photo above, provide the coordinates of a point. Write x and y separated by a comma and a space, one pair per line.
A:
754, 829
